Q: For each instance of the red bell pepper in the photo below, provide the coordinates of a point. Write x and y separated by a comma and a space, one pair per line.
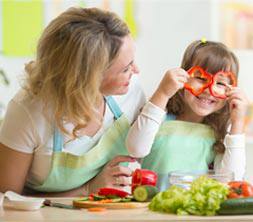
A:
239, 189
106, 191
143, 177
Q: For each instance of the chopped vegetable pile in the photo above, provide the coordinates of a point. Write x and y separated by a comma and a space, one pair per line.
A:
203, 198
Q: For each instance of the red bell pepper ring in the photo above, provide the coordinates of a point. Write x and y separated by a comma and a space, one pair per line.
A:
143, 177
240, 189
106, 191
210, 81
225, 74
204, 75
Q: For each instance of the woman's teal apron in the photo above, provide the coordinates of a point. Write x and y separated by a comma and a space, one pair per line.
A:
69, 171
181, 146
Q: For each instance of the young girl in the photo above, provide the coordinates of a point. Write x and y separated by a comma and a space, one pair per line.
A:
201, 102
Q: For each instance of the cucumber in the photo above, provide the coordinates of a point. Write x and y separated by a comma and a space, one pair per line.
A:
98, 197
236, 206
145, 193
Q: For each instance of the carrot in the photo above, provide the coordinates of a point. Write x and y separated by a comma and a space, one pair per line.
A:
96, 209
106, 201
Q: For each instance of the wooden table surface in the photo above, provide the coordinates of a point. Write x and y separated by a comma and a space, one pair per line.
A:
141, 214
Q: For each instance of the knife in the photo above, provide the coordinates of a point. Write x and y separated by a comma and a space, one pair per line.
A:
49, 203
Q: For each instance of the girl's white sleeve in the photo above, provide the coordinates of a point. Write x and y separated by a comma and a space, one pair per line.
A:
143, 131
234, 158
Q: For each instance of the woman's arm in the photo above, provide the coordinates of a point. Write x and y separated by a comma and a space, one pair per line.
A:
14, 167
234, 158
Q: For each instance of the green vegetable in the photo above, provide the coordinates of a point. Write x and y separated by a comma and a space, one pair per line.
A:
203, 198
98, 197
236, 206
145, 193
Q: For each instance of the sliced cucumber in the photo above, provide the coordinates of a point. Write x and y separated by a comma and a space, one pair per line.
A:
145, 193
98, 197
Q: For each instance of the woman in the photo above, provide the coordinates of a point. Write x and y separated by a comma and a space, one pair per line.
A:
63, 134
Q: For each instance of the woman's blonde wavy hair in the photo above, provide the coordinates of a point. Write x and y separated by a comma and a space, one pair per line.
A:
73, 52
213, 57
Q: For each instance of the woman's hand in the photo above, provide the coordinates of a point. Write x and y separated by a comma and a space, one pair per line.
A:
238, 104
172, 81
113, 175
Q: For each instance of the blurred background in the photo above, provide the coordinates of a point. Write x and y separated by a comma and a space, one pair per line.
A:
162, 30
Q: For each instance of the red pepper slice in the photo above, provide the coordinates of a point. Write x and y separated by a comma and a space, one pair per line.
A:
91, 196
210, 81
239, 189
233, 83
105, 191
204, 75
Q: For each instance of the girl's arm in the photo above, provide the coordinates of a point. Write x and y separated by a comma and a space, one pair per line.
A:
142, 133
234, 158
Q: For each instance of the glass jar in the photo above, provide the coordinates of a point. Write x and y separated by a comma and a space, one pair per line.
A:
184, 179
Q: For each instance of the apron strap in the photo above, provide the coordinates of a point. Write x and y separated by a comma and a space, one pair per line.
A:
113, 107
58, 140
170, 117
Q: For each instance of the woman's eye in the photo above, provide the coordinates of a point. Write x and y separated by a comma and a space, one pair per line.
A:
126, 70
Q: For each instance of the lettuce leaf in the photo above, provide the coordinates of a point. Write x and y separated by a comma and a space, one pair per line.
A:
203, 198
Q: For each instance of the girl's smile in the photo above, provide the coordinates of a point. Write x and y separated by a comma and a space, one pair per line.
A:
202, 105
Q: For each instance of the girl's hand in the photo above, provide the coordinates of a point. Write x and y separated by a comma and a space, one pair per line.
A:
172, 81
113, 175
238, 104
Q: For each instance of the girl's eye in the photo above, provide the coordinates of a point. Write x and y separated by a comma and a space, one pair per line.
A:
200, 78
221, 84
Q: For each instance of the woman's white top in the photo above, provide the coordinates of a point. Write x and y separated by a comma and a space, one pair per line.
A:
25, 128
142, 134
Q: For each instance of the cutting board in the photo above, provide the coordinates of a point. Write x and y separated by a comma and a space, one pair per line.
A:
120, 205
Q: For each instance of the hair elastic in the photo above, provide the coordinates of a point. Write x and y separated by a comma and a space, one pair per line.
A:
203, 40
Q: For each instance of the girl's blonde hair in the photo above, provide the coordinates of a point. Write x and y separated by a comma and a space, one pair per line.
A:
212, 57
73, 52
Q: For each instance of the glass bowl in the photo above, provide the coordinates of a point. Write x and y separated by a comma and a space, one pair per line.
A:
184, 179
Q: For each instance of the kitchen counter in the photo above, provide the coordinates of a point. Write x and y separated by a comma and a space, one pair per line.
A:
141, 214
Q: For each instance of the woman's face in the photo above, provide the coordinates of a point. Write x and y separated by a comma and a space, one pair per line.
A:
117, 77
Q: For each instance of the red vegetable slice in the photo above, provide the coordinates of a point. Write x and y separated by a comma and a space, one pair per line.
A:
96, 209
143, 177
112, 191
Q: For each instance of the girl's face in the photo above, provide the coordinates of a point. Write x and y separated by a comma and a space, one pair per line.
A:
197, 107
117, 77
